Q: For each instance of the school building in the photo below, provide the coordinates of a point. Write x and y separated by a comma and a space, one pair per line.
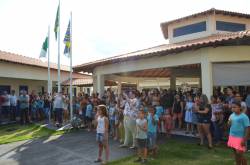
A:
206, 49
19, 72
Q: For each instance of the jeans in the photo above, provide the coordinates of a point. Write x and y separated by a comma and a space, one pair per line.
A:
152, 139
13, 112
5, 111
218, 132
59, 115
46, 112
24, 115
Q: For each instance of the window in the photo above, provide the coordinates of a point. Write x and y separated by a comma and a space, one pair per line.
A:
230, 26
4, 88
23, 88
189, 29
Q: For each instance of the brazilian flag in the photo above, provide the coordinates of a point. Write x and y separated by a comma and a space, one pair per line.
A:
67, 41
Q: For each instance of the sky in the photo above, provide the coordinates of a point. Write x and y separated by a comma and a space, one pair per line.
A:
100, 28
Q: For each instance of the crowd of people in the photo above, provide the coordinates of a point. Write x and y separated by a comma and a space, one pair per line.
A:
142, 116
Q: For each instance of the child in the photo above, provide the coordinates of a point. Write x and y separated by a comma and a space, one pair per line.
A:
217, 119
168, 121
239, 132
34, 109
89, 115
188, 114
141, 137
195, 114
102, 133
40, 107
159, 113
112, 113
153, 120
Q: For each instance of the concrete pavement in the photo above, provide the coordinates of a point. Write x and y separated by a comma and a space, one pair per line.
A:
78, 148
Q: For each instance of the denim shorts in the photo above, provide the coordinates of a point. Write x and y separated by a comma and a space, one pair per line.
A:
100, 137
151, 139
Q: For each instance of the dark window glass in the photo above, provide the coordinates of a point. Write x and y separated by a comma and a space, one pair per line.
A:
229, 26
189, 29
23, 88
4, 88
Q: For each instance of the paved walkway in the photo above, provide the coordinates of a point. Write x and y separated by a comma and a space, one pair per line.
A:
71, 149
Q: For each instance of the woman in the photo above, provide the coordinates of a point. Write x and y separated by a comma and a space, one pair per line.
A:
178, 107
217, 118
204, 118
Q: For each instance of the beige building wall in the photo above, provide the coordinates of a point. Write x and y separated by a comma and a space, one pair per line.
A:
32, 84
211, 26
12, 70
16, 75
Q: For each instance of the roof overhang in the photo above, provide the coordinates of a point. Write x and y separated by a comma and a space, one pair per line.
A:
228, 39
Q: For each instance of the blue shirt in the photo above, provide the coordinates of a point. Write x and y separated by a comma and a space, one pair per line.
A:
159, 111
89, 110
24, 101
40, 103
239, 123
151, 126
112, 113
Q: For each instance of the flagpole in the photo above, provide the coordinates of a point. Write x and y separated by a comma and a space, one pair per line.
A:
58, 63
71, 94
49, 84
49, 60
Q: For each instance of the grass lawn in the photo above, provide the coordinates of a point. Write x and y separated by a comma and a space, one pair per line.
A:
180, 153
15, 132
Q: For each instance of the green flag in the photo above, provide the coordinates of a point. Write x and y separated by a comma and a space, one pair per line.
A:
44, 48
56, 28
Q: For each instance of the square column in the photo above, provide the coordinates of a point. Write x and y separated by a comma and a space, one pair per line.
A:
206, 77
98, 84
173, 82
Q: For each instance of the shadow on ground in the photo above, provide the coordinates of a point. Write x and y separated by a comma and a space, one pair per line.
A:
76, 148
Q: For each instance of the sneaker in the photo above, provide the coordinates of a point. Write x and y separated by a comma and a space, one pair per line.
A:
123, 146
98, 160
144, 161
138, 160
132, 147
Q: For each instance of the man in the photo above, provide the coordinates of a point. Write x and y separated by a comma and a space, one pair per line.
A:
130, 115
6, 105
58, 105
24, 107
13, 106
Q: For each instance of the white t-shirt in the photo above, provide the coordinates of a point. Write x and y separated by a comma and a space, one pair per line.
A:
13, 100
58, 102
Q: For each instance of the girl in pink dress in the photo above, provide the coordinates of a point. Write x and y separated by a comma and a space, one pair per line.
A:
239, 132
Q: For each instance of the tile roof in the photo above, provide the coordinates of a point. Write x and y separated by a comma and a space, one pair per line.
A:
86, 82
215, 40
79, 82
164, 25
19, 59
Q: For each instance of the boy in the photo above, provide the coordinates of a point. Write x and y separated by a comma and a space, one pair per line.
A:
141, 137
153, 120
